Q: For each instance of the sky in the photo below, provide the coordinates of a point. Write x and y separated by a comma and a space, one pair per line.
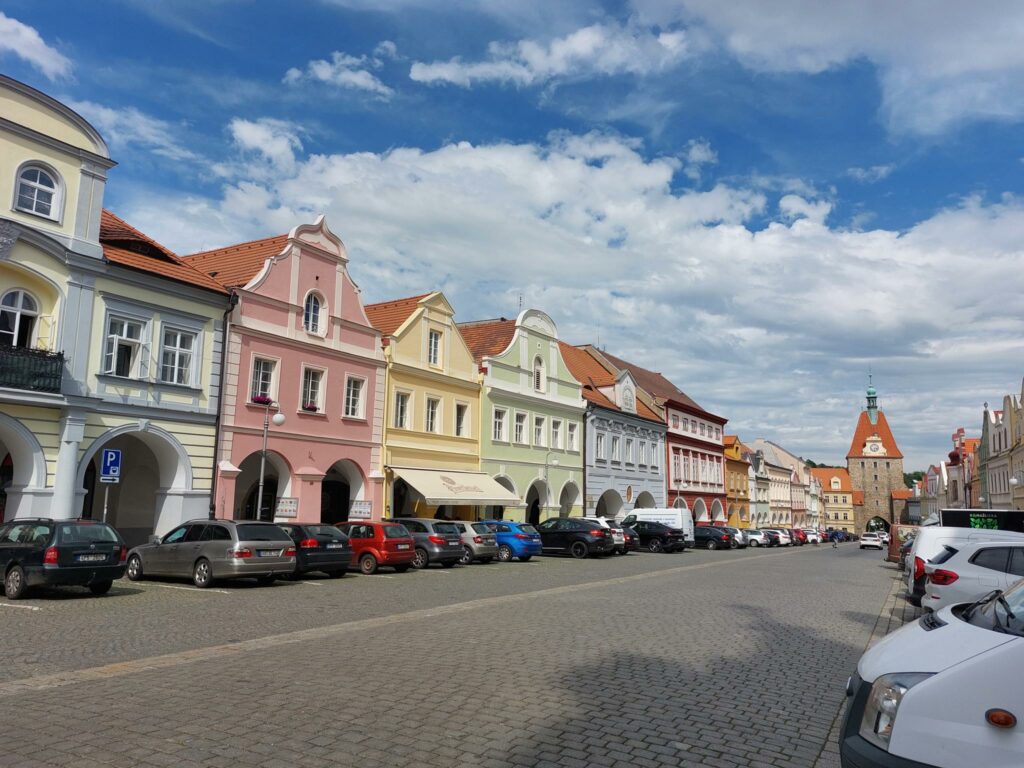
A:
764, 202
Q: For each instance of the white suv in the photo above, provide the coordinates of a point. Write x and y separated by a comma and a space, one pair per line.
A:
871, 539
962, 573
813, 537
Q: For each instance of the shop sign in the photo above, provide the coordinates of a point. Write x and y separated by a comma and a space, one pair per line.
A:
287, 507
361, 510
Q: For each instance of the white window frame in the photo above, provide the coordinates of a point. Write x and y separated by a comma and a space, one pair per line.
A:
616, 449
434, 350
571, 436
654, 455
193, 357
519, 436
57, 201
113, 341
271, 384
321, 325
432, 421
406, 413
599, 444
641, 453
540, 438
461, 430
22, 315
321, 389
360, 410
540, 379
499, 425
628, 450
556, 434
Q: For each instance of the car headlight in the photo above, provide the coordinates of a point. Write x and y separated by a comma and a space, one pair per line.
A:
887, 693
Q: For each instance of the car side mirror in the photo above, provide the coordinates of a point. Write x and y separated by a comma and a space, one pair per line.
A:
154, 539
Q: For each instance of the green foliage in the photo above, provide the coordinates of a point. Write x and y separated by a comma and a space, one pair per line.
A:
909, 478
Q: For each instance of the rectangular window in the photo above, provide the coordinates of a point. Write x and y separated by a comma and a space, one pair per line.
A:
461, 424
718, 433
354, 398
539, 438
616, 453
654, 455
434, 347
498, 425
702, 430
176, 356
311, 379
629, 450
556, 433
402, 410
431, 421
675, 421
124, 345
599, 446
641, 453
677, 466
686, 424
262, 378
520, 434
571, 433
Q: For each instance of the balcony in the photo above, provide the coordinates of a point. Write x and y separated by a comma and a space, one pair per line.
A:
33, 369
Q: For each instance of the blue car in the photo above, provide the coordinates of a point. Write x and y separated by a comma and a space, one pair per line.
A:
515, 539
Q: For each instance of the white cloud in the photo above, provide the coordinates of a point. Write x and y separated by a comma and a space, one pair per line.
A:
698, 153
601, 237
27, 44
345, 71
870, 175
598, 49
129, 128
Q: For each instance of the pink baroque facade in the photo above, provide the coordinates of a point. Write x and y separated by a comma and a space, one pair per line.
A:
302, 358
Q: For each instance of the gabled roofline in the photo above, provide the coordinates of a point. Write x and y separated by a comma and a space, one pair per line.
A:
64, 110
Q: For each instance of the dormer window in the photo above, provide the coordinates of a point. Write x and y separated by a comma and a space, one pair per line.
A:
434, 348
18, 313
539, 379
311, 314
38, 192
628, 403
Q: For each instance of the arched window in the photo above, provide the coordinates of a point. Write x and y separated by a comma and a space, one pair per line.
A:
539, 379
18, 313
311, 311
38, 192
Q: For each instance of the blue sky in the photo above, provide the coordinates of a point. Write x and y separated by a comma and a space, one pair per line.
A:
760, 205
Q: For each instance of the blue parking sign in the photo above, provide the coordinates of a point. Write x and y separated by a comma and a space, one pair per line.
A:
110, 466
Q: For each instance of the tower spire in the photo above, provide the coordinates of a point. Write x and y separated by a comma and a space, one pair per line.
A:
872, 400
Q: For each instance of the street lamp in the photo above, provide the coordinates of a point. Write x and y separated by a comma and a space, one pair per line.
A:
278, 420
554, 463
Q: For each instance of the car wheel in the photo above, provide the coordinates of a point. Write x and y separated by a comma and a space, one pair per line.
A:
202, 574
449, 563
134, 569
712, 544
101, 587
368, 564
525, 558
655, 545
504, 553
401, 568
420, 559
336, 574
14, 583
733, 544
579, 549
467, 556
753, 543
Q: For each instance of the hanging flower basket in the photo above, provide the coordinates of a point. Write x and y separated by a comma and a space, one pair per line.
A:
310, 407
262, 400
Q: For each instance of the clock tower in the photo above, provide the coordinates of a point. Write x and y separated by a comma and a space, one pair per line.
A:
875, 463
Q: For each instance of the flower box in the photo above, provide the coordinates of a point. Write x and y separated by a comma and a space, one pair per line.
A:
310, 407
261, 400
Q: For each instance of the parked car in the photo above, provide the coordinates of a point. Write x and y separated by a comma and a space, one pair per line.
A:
515, 539
206, 550
319, 547
618, 535
37, 552
929, 542
379, 543
813, 535
658, 537
871, 539
797, 536
884, 536
632, 539
437, 541
757, 538
739, 537
478, 542
711, 537
577, 536
673, 517
905, 551
773, 538
785, 539
942, 691
962, 575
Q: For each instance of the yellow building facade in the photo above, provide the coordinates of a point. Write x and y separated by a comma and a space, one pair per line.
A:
737, 483
836, 510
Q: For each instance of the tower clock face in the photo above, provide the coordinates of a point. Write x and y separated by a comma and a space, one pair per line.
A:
873, 447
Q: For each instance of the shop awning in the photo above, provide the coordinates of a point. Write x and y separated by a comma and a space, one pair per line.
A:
443, 487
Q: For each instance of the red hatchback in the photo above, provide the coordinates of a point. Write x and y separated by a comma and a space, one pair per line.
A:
798, 536
380, 543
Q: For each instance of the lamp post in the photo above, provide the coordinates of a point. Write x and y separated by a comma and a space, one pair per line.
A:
278, 420
554, 463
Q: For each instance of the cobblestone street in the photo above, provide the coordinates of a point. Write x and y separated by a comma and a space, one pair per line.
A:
705, 658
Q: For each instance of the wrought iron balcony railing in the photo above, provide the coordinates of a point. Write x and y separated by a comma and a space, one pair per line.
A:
33, 369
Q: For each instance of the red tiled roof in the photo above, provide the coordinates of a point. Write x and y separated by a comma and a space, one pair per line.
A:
858, 498
730, 440
825, 475
585, 367
866, 429
123, 244
657, 385
487, 337
235, 265
388, 316
903, 493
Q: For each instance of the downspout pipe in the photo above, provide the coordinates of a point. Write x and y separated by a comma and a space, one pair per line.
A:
225, 328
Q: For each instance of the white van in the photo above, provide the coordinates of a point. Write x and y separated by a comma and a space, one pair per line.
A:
674, 517
930, 541
944, 691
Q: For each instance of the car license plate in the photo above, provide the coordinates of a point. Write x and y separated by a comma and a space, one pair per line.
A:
335, 545
454, 542
90, 558
403, 546
269, 552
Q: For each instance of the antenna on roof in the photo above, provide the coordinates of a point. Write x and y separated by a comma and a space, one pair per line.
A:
520, 302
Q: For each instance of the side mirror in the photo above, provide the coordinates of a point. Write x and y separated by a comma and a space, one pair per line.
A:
154, 539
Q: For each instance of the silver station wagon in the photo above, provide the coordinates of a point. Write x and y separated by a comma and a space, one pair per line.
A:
205, 550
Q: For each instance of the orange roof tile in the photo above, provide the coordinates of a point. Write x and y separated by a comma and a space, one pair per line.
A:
903, 493
388, 316
730, 440
235, 265
585, 366
488, 337
657, 385
126, 246
858, 498
866, 429
825, 475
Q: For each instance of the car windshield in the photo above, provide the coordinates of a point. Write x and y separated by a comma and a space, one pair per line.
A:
481, 528
253, 532
1003, 615
445, 528
396, 532
527, 529
86, 533
325, 532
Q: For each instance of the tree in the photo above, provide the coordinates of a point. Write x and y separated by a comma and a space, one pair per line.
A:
909, 478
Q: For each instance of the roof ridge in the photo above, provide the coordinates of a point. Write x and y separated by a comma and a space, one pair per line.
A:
243, 244
398, 301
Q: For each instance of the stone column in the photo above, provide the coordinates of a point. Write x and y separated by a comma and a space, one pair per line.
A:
67, 495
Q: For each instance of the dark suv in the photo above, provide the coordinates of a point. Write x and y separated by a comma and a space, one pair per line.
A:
658, 537
578, 536
319, 547
710, 537
40, 551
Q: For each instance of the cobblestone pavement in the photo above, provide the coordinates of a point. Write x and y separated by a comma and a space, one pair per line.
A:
704, 658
